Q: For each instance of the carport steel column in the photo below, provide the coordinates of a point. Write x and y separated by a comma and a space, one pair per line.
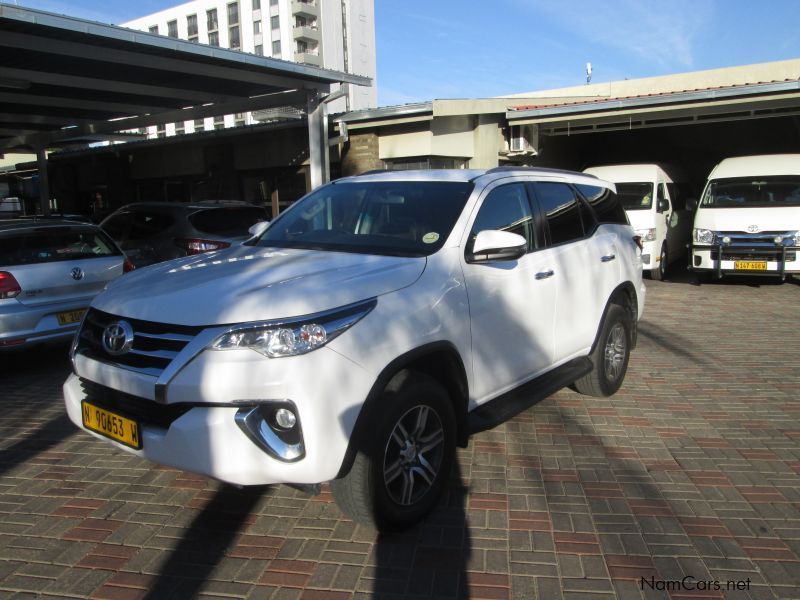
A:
318, 140
44, 181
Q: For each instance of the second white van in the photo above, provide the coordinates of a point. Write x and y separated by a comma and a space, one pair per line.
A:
656, 209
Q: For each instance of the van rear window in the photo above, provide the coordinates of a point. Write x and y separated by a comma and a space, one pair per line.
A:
756, 191
51, 244
635, 196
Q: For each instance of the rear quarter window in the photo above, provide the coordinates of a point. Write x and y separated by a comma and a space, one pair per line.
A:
54, 244
605, 203
227, 221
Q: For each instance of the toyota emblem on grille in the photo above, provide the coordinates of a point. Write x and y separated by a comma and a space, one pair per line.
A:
77, 273
118, 338
752, 228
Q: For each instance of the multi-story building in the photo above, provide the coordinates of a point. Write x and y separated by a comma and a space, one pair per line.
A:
333, 34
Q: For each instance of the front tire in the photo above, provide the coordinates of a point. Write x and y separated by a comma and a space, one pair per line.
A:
400, 472
660, 272
610, 355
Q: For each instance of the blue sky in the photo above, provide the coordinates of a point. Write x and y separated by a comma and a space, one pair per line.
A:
478, 48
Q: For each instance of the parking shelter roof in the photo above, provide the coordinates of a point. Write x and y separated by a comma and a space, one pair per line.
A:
65, 80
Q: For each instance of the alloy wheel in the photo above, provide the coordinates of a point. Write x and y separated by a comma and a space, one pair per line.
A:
614, 354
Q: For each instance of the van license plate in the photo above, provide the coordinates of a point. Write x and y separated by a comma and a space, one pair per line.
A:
70, 316
750, 265
111, 425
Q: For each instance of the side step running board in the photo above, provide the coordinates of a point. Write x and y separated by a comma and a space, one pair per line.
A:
512, 403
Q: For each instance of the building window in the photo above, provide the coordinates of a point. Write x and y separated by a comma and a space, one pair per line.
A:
172, 29
233, 13
238, 120
198, 125
219, 122
191, 25
233, 36
302, 47
211, 16
256, 27
259, 50
275, 22
153, 29
273, 2
180, 128
161, 131
276, 48
256, 4
213, 39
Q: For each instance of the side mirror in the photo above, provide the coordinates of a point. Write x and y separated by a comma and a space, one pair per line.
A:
691, 203
663, 205
258, 228
493, 245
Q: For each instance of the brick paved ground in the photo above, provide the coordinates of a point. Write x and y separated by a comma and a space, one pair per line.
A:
692, 469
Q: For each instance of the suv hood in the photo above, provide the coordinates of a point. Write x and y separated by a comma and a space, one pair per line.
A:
254, 284
766, 218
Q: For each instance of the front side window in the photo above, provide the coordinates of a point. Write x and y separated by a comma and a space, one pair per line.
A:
394, 218
54, 244
562, 211
506, 208
755, 191
635, 196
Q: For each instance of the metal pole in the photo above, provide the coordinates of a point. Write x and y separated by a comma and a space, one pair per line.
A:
44, 182
318, 141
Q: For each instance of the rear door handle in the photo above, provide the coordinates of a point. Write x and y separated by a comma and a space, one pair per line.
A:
608, 257
545, 274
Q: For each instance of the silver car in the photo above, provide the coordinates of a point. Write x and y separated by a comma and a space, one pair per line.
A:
49, 273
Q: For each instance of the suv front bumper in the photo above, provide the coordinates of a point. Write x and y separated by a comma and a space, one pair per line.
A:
202, 434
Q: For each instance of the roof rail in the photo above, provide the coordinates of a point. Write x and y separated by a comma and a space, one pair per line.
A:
507, 168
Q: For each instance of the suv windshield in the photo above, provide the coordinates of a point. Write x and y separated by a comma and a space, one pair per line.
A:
400, 218
635, 196
49, 244
783, 190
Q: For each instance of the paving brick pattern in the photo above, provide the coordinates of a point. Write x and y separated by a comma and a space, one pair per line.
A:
692, 469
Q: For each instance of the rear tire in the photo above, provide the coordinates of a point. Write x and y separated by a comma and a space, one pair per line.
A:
660, 272
400, 472
610, 355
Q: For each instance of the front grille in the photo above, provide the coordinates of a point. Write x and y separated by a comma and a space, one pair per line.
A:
154, 344
767, 254
146, 412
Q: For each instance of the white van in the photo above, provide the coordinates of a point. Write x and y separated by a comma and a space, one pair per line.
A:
656, 209
748, 220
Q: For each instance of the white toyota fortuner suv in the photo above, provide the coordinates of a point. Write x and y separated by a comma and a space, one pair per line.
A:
367, 332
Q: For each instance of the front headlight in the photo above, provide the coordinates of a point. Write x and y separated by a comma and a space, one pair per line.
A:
647, 235
291, 337
704, 236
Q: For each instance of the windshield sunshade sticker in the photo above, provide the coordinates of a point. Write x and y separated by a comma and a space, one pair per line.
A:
430, 238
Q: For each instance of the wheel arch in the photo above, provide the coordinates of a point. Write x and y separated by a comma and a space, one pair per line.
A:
625, 296
440, 361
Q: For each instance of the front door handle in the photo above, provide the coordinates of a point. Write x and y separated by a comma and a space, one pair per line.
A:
545, 274
608, 257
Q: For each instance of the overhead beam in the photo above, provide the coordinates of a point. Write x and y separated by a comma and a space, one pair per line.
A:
78, 103
197, 112
113, 86
31, 119
118, 58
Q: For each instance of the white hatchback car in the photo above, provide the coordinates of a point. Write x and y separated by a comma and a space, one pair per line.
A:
373, 326
49, 272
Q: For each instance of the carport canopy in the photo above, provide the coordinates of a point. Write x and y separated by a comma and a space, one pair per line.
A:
65, 81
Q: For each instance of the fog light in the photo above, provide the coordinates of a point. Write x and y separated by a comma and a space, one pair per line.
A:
778, 239
285, 418
726, 240
698, 260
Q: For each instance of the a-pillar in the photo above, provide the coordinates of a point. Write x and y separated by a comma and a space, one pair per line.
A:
44, 182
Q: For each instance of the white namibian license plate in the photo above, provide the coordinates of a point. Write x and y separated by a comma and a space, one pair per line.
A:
70, 316
111, 425
750, 265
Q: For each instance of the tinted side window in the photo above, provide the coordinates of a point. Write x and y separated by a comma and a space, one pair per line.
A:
562, 211
147, 224
117, 225
227, 221
506, 208
676, 197
606, 206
